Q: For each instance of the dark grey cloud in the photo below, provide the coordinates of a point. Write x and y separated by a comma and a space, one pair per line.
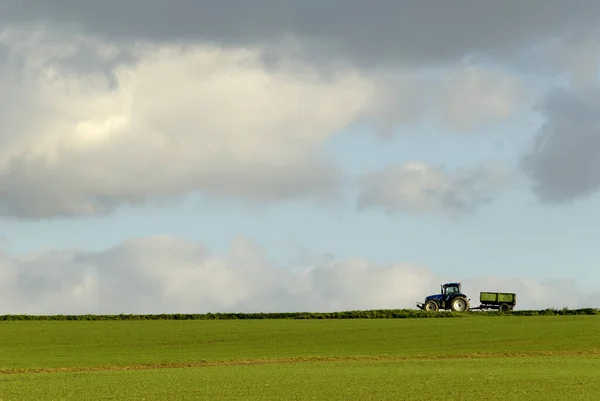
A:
370, 33
564, 162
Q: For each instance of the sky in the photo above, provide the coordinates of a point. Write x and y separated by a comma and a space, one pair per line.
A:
296, 155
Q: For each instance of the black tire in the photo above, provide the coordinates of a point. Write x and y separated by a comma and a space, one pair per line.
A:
459, 304
504, 308
430, 306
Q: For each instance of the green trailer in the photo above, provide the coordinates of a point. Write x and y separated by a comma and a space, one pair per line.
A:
503, 301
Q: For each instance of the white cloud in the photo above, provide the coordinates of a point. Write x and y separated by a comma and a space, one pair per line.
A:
472, 96
421, 187
169, 275
177, 119
402, 98
90, 125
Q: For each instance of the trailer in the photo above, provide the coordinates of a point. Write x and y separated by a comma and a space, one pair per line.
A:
502, 301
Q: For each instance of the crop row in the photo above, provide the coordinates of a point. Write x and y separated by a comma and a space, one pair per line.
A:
360, 314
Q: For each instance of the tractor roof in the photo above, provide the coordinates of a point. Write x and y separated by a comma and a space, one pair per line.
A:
452, 285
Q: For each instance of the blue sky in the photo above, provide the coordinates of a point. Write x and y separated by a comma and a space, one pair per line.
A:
161, 170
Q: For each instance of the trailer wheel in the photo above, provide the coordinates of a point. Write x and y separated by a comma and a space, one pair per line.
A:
504, 308
459, 304
430, 306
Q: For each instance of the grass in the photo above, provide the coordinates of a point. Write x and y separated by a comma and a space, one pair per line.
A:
354, 314
507, 379
543, 357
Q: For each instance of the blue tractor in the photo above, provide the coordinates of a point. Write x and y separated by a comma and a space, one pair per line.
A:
451, 297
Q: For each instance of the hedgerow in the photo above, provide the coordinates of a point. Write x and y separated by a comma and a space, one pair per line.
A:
357, 314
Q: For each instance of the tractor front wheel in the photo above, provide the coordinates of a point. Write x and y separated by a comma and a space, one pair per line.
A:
430, 306
459, 304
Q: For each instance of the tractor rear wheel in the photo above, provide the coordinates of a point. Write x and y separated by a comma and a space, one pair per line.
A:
430, 306
459, 304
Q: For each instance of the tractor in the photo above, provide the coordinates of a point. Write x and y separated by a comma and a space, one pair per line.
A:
450, 297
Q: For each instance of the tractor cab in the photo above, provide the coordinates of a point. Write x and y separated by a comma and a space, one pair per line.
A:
450, 297
450, 289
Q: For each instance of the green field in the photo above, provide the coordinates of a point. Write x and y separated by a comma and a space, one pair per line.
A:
491, 357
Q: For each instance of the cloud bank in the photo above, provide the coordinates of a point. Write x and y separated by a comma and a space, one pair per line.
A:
241, 101
170, 275
368, 34
177, 120
89, 125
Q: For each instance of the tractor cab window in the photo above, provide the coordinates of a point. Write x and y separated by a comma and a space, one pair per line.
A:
451, 290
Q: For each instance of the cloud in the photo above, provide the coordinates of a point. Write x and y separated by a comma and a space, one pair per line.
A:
564, 161
168, 275
462, 97
90, 125
368, 34
174, 120
471, 96
419, 187
577, 53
